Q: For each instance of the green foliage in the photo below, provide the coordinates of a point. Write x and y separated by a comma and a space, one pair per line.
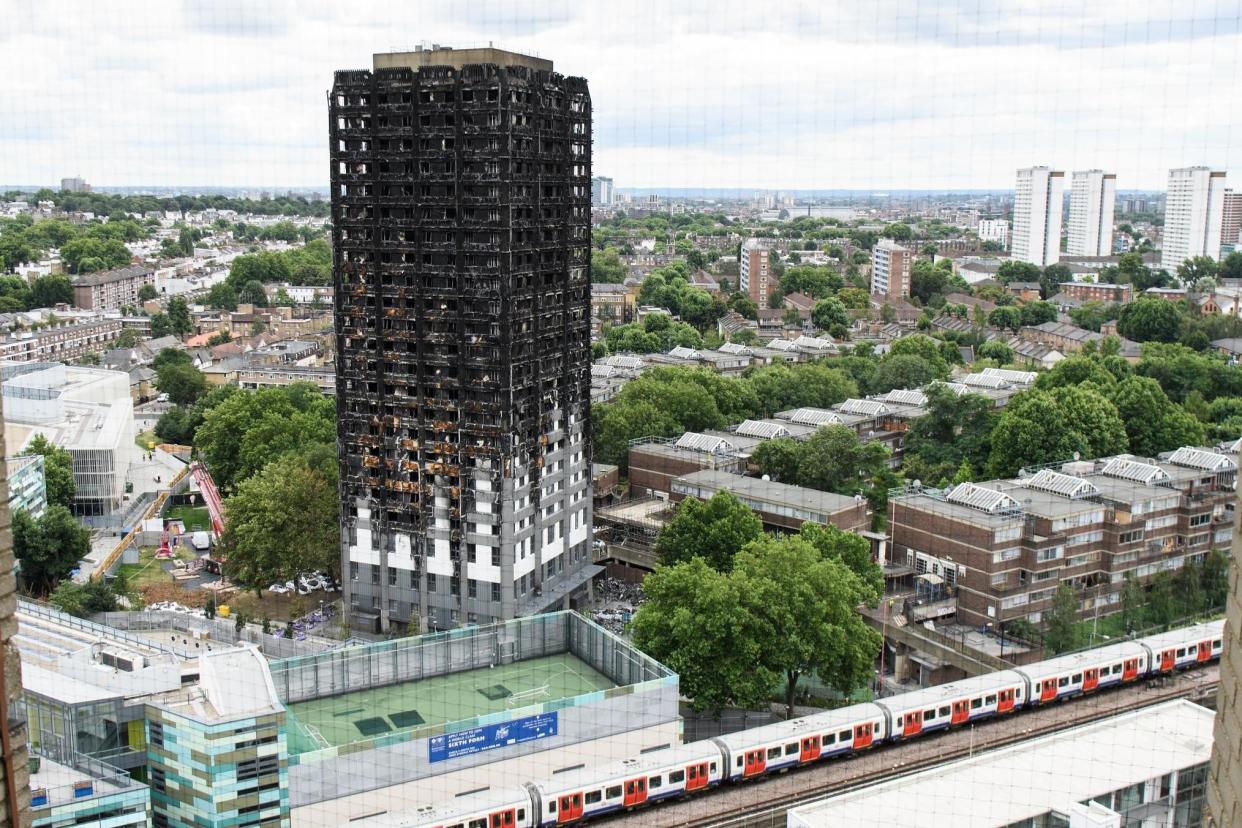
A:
1013, 270
782, 386
178, 425
1103, 372
1040, 426
1153, 422
252, 293
82, 600
1006, 317
147, 292
1037, 313
1196, 268
1150, 319
902, 371
282, 521
955, 430
1059, 634
1182, 372
849, 548
88, 255
997, 351
657, 333
222, 296
607, 267
182, 382
925, 348
48, 548
829, 313
127, 338
816, 282
714, 530
49, 291
161, 325
57, 470
670, 288
832, 460
1093, 314
178, 317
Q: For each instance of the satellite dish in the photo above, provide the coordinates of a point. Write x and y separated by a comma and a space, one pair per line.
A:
767, 478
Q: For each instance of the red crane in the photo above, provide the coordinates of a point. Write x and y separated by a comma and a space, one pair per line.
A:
211, 496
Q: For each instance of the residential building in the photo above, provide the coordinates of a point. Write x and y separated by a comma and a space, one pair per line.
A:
27, 484
891, 267
110, 290
755, 276
86, 793
1037, 206
601, 191
74, 185
463, 336
1093, 196
64, 343
611, 303
654, 464
994, 230
1006, 545
1231, 222
270, 376
1098, 292
87, 411
1148, 767
1193, 215
780, 506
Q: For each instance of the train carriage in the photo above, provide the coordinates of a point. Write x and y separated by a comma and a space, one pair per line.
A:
775, 747
499, 808
1071, 675
955, 703
1179, 649
587, 792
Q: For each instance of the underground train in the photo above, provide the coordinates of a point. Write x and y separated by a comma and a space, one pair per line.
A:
689, 769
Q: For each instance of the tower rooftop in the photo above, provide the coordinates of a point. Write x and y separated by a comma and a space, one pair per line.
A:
457, 58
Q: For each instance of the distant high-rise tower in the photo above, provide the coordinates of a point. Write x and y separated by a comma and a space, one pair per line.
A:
1037, 208
755, 276
1231, 222
891, 267
74, 185
601, 191
1193, 215
1093, 196
461, 212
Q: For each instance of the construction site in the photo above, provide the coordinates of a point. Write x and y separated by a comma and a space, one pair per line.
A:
461, 232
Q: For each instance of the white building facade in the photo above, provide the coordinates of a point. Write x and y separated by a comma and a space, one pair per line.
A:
1037, 209
1193, 215
994, 230
1093, 194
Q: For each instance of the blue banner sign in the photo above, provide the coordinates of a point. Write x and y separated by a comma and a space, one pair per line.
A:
490, 737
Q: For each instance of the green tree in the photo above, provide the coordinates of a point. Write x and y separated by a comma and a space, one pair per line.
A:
128, 338
1006, 317
1052, 278
829, 313
252, 293
82, 600
714, 530
834, 459
1133, 602
1037, 313
178, 317
49, 291
782, 386
1040, 426
147, 292
954, 430
222, 296
1215, 575
997, 351
607, 267
1017, 271
48, 548
1149, 319
1195, 268
1231, 266
694, 621
161, 325
849, 548
182, 383
803, 611
1060, 620
925, 348
1153, 422
282, 521
902, 371
57, 470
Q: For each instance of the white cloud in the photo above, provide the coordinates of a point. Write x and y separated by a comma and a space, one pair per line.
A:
698, 94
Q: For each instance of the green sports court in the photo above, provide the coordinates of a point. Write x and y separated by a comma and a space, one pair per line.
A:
367, 714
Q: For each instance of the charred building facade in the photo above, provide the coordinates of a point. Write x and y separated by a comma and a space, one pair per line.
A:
461, 205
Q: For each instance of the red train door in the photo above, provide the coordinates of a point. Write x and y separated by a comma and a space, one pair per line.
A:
502, 819
635, 792
1167, 660
696, 777
913, 723
569, 808
1205, 651
1129, 670
961, 712
862, 735
1048, 690
1004, 701
810, 749
1090, 679
756, 761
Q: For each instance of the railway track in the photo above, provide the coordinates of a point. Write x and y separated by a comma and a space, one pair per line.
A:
762, 804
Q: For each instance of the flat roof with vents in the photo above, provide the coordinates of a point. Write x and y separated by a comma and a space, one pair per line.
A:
1066, 485
1194, 458
814, 342
735, 348
903, 396
781, 345
981, 498
706, 443
765, 429
984, 381
1125, 467
814, 417
682, 352
1009, 375
871, 408
624, 361
958, 388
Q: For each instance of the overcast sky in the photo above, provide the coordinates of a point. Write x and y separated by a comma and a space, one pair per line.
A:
849, 94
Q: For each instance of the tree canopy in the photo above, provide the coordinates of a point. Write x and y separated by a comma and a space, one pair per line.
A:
1041, 426
1150, 319
714, 530
48, 548
57, 470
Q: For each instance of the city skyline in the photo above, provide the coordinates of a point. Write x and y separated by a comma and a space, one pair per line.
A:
810, 98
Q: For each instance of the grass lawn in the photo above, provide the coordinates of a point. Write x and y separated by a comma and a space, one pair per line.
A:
191, 516
145, 439
146, 572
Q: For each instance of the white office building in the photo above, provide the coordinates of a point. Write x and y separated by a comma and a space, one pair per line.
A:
1093, 194
1037, 208
87, 411
994, 230
1193, 215
602, 194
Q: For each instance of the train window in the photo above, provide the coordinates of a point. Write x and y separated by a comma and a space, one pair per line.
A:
552, 807
676, 776
477, 823
929, 714
944, 711
774, 753
655, 782
713, 767
845, 735
521, 814
975, 704
830, 739
739, 761
613, 792
1063, 681
1077, 678
899, 721
592, 797
990, 700
791, 749
1181, 652
1216, 644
